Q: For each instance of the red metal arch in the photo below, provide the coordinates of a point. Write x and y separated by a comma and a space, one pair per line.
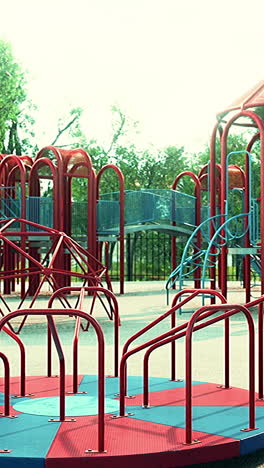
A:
197, 192
259, 123
21, 166
34, 189
121, 215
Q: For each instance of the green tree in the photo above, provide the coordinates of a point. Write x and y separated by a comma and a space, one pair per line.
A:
16, 111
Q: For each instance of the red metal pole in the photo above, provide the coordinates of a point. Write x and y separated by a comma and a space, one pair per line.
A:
75, 355
155, 341
173, 349
188, 392
197, 192
110, 295
173, 321
58, 346
212, 198
49, 352
7, 384
260, 126
168, 338
76, 342
121, 216
260, 350
227, 353
22, 359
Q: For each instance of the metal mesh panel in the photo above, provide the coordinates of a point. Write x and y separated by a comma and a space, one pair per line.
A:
40, 210
107, 215
10, 208
146, 206
142, 206
79, 219
183, 208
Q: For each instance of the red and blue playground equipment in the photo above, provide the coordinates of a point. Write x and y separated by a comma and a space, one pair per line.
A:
122, 420
163, 423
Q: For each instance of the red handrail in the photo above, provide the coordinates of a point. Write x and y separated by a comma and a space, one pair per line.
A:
259, 301
211, 292
188, 388
201, 314
7, 384
172, 311
90, 289
22, 357
165, 338
101, 358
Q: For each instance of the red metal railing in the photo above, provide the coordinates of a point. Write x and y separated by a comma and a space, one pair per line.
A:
101, 357
210, 310
155, 345
22, 358
158, 341
172, 312
194, 293
7, 385
186, 329
96, 290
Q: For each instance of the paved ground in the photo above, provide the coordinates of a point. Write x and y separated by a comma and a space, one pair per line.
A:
142, 303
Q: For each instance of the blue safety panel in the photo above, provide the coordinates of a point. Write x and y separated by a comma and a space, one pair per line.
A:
27, 436
225, 421
252, 442
89, 384
13, 462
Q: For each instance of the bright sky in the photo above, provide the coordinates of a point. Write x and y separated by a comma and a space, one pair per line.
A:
171, 64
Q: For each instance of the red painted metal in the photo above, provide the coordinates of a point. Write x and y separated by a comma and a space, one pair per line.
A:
115, 310
259, 123
6, 164
148, 327
197, 193
34, 186
82, 167
22, 359
171, 312
166, 338
213, 194
7, 385
201, 314
159, 341
101, 357
247, 208
75, 354
190, 328
92, 271
253, 304
55, 336
214, 294
121, 216
260, 350
252, 98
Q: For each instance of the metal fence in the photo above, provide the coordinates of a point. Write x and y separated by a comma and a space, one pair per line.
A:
148, 258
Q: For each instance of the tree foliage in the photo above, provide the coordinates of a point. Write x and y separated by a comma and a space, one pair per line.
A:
16, 111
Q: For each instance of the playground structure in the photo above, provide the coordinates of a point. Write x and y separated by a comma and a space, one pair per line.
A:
164, 422
223, 216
